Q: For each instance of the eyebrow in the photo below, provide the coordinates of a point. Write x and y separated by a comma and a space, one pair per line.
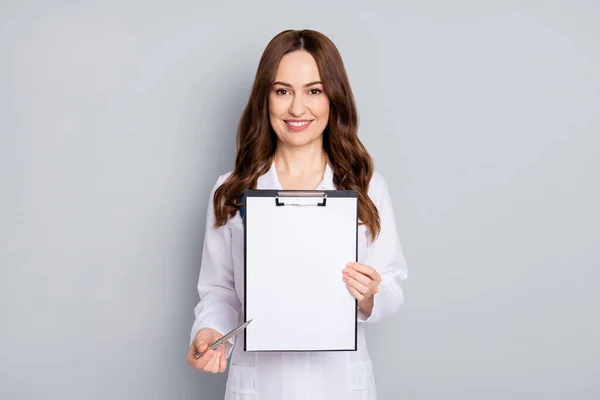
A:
307, 85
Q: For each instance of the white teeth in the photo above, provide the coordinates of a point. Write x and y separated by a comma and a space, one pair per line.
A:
294, 123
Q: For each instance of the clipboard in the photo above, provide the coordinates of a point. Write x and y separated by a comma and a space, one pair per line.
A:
296, 244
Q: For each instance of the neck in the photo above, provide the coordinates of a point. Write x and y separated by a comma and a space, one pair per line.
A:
298, 161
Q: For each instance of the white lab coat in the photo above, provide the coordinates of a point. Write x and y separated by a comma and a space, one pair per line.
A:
336, 375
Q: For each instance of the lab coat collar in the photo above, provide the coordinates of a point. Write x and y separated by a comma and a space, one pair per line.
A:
270, 180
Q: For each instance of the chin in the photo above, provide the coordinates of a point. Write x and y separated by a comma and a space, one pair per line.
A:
300, 141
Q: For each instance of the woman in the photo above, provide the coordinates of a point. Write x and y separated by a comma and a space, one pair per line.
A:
298, 131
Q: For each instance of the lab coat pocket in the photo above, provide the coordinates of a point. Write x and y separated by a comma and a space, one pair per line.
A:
241, 383
361, 381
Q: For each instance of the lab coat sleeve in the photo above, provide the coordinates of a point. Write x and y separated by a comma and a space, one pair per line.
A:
219, 305
385, 254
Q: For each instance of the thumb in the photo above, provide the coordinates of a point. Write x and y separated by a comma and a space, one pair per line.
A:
203, 339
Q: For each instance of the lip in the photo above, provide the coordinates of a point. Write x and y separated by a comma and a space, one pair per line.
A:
298, 128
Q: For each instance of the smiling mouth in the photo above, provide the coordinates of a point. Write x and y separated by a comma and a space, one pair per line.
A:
298, 124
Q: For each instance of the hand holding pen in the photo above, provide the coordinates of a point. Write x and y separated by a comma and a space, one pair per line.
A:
208, 350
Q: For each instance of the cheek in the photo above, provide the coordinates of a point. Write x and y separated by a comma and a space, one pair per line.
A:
320, 108
276, 110
277, 107
322, 111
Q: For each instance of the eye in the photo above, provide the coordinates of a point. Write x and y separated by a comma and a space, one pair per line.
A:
315, 91
281, 92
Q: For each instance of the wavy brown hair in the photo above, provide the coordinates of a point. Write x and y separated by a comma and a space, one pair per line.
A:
256, 141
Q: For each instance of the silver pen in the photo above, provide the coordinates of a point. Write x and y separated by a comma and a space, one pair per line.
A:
214, 345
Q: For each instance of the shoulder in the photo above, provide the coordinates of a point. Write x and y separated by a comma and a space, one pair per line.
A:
377, 185
221, 179
378, 191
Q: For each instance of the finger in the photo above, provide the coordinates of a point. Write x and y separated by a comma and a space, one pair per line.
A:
202, 362
208, 366
364, 269
217, 363
371, 285
359, 276
353, 283
357, 295
195, 349
201, 345
223, 362
191, 358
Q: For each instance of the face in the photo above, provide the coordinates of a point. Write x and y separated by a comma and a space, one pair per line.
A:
298, 106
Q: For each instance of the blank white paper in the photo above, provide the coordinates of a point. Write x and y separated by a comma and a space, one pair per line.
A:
295, 294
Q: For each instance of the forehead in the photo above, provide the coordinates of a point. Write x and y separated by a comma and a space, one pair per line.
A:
297, 68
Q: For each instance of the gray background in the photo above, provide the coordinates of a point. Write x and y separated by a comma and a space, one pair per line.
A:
117, 117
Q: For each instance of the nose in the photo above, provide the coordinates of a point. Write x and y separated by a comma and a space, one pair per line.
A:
297, 106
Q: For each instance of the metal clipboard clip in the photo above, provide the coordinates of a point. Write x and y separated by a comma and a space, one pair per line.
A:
301, 194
